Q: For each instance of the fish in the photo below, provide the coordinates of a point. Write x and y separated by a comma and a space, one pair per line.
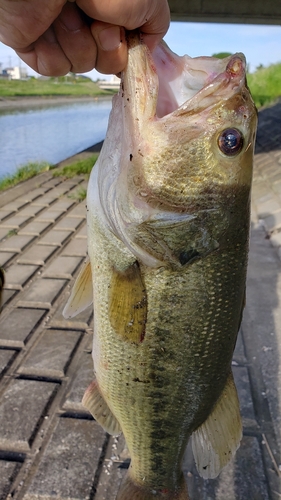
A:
168, 215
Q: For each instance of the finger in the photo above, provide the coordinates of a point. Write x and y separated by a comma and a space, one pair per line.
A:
46, 55
157, 24
112, 48
151, 16
23, 22
75, 38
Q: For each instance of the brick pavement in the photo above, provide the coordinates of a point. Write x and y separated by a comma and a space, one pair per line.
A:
50, 447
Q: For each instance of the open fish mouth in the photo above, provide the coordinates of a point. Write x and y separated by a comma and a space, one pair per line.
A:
184, 82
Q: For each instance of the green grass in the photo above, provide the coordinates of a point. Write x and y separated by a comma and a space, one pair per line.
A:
51, 87
77, 168
265, 84
23, 173
81, 167
79, 195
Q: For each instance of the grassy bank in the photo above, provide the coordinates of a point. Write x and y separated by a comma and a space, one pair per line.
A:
23, 173
51, 87
80, 167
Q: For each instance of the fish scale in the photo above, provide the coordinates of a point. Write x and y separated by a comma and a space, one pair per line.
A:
168, 224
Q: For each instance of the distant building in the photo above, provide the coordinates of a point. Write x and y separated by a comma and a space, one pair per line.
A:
15, 73
112, 84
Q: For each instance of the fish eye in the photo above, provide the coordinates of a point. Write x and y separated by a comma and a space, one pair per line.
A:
230, 141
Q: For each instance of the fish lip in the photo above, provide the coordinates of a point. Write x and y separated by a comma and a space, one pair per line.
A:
221, 88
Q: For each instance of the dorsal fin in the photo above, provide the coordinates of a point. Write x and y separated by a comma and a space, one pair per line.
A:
215, 442
81, 295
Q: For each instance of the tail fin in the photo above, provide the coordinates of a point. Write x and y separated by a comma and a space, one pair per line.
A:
130, 490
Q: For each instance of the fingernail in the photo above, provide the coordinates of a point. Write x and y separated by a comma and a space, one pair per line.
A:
49, 35
70, 18
110, 38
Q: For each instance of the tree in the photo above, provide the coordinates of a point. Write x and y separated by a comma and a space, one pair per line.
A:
222, 55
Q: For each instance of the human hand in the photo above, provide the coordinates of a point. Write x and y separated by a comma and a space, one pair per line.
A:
57, 36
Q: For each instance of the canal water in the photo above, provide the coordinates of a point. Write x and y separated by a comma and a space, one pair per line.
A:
51, 133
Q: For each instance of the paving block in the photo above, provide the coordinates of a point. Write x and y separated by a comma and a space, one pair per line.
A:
62, 267
277, 187
17, 328
7, 296
52, 354
5, 258
16, 243
64, 204
42, 294
84, 185
264, 196
50, 215
8, 472
22, 407
46, 200
114, 469
51, 183
4, 214
37, 255
35, 228
81, 380
243, 478
7, 356
71, 183
55, 238
273, 221
275, 239
78, 211
68, 224
14, 206
82, 233
18, 275
76, 247
68, 467
4, 231
15, 222
242, 382
61, 190
268, 207
31, 210
274, 175
33, 194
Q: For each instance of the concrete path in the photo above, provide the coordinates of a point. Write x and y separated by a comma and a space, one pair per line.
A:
50, 447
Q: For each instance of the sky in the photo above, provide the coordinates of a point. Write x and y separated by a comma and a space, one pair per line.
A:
261, 44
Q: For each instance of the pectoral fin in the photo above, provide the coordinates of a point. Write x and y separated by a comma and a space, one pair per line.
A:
128, 304
81, 295
215, 442
95, 403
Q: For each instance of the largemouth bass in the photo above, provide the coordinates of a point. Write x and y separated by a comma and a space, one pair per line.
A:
168, 222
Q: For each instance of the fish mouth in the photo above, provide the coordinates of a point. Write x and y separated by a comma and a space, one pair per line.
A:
187, 84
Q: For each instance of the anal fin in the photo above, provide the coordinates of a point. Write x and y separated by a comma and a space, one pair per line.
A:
95, 403
81, 295
215, 442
